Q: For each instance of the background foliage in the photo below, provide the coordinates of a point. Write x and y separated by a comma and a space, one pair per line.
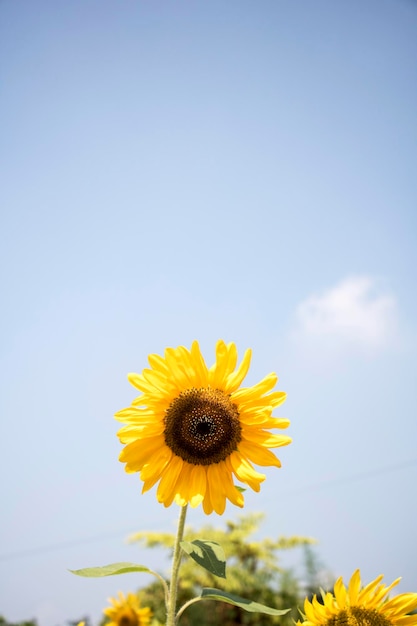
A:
253, 572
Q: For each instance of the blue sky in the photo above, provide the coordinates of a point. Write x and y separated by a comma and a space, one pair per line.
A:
175, 171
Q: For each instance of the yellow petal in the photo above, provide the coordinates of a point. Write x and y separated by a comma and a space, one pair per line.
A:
257, 454
127, 434
167, 486
198, 484
244, 471
235, 378
366, 592
405, 602
340, 593
207, 504
217, 496
177, 371
276, 398
136, 454
226, 357
354, 587
408, 620
158, 363
156, 464
140, 382
247, 393
266, 439
133, 415
263, 421
199, 364
157, 379
191, 485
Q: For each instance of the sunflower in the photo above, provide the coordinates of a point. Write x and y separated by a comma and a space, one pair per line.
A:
360, 606
126, 611
194, 428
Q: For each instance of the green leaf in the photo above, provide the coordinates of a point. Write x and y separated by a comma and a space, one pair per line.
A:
110, 570
252, 607
208, 554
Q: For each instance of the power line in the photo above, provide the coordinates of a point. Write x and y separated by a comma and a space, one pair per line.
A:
351, 478
62, 544
293, 492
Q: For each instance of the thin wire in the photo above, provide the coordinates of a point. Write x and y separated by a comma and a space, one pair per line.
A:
63, 544
351, 478
293, 492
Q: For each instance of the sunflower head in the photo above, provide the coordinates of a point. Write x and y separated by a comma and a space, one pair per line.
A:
355, 605
193, 428
126, 611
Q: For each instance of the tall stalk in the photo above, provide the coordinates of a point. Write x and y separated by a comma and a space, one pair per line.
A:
176, 562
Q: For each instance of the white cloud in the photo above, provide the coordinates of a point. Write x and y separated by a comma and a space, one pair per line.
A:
354, 313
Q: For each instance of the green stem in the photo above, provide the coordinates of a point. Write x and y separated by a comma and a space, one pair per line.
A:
185, 606
164, 585
176, 562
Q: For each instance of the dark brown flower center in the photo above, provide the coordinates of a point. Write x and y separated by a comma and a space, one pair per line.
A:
202, 426
359, 616
127, 618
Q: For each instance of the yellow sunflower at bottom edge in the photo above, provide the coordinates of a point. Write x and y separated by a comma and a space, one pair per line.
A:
126, 611
194, 428
360, 606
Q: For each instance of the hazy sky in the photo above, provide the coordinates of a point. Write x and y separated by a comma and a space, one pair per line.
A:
201, 170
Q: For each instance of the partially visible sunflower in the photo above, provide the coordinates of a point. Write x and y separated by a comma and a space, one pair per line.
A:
194, 427
126, 611
361, 606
